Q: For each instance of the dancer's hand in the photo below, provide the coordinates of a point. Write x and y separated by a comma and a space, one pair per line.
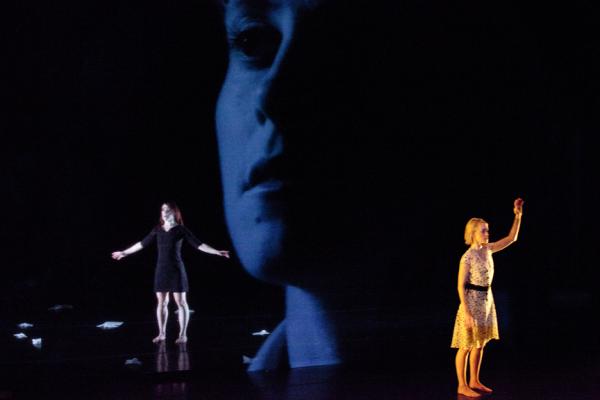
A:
518, 207
117, 255
224, 253
469, 321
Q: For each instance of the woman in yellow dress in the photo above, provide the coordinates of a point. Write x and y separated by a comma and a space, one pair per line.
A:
476, 321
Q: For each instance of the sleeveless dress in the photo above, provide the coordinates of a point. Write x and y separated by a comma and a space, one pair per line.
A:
481, 304
170, 275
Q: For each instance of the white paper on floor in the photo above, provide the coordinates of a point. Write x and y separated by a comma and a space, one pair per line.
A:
246, 360
133, 361
110, 325
37, 343
191, 311
60, 307
20, 335
25, 325
261, 333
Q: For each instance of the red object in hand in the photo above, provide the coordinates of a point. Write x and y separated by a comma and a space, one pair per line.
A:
519, 202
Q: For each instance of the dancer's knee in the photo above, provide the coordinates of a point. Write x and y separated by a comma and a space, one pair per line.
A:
463, 352
162, 304
182, 304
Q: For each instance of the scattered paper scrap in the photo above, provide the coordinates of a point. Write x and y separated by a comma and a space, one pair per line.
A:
191, 311
20, 335
110, 325
261, 333
246, 360
25, 325
60, 307
37, 343
133, 361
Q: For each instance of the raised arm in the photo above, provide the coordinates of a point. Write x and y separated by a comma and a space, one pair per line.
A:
514, 230
117, 255
463, 276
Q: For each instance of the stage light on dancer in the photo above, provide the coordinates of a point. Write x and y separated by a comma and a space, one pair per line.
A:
170, 275
476, 323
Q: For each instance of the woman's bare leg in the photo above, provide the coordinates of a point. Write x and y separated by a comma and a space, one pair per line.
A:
461, 373
162, 314
183, 314
475, 359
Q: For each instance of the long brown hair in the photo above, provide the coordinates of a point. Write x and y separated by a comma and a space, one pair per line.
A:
176, 211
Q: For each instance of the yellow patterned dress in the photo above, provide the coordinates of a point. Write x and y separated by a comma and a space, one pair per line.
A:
481, 303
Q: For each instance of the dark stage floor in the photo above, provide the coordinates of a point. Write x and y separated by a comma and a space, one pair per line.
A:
78, 360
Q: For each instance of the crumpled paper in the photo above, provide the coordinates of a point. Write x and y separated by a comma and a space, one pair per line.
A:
133, 361
20, 335
25, 325
60, 307
246, 360
37, 343
110, 325
191, 311
261, 333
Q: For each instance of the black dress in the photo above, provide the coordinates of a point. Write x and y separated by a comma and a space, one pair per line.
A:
170, 275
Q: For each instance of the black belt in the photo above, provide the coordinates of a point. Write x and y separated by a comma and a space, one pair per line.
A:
477, 287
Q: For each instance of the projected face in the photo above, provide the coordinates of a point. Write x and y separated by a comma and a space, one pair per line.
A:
251, 136
289, 120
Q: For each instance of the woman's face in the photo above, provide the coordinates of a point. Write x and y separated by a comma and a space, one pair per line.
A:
262, 114
482, 234
166, 212
250, 141
289, 119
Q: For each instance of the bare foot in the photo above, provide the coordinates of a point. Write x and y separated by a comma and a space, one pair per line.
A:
181, 339
481, 386
467, 391
159, 338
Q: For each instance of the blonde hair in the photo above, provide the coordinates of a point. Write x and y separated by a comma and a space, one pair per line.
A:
471, 227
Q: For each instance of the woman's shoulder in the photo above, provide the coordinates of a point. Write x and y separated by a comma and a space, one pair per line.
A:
467, 254
469, 250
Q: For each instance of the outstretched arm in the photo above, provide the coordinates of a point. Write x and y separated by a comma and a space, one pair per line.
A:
514, 230
117, 255
193, 240
208, 249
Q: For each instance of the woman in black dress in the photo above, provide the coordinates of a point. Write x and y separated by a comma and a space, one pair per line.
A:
170, 275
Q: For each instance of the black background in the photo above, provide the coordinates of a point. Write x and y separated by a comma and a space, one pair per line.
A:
113, 115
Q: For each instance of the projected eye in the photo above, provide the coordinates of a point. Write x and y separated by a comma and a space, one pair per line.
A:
256, 45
